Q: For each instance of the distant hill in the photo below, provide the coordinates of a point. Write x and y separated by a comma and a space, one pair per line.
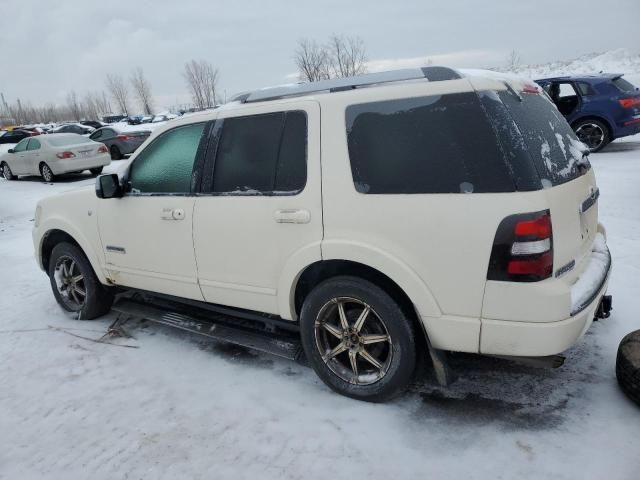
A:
620, 60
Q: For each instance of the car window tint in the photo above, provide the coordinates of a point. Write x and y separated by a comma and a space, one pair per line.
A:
434, 144
556, 152
166, 165
21, 146
262, 154
33, 144
623, 85
96, 135
585, 89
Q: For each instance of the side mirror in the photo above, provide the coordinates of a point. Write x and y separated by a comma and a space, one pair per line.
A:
108, 186
11, 150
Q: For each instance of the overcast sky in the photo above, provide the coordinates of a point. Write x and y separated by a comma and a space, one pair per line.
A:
50, 48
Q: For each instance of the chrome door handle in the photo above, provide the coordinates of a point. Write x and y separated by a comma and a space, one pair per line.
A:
292, 216
172, 214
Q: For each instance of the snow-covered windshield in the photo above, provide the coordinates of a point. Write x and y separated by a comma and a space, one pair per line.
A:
557, 154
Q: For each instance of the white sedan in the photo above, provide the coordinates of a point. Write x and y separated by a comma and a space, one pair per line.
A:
54, 154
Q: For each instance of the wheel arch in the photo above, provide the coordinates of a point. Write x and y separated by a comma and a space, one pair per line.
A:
55, 235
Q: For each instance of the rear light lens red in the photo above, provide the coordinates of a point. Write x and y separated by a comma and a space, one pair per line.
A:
63, 155
103, 149
629, 102
539, 266
523, 248
124, 137
529, 88
540, 228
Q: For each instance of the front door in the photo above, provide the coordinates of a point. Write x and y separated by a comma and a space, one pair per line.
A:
147, 234
18, 160
261, 209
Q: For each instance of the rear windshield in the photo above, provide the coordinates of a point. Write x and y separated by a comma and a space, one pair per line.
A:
623, 85
66, 140
531, 124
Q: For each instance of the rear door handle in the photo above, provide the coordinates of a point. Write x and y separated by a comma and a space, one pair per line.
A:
292, 216
172, 214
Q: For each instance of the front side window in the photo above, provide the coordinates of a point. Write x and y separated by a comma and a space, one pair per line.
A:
262, 154
434, 144
34, 144
22, 145
96, 135
166, 165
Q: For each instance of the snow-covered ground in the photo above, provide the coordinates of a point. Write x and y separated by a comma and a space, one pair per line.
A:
179, 407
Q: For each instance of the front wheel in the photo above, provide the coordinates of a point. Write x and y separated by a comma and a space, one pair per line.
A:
46, 173
7, 173
593, 133
357, 339
96, 171
115, 153
75, 285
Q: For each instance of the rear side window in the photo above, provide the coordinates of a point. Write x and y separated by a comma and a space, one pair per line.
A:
434, 144
623, 85
585, 89
262, 154
166, 165
556, 153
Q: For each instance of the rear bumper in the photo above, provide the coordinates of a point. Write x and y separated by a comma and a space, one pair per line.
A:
503, 337
79, 164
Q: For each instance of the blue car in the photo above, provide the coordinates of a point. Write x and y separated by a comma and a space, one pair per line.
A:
599, 108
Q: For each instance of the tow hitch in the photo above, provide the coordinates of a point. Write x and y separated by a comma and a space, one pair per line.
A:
604, 308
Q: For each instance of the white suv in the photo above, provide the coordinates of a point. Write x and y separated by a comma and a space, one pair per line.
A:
370, 214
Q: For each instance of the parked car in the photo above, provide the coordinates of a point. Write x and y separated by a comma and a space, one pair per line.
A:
118, 141
54, 154
391, 227
599, 108
114, 118
92, 124
163, 117
74, 128
15, 135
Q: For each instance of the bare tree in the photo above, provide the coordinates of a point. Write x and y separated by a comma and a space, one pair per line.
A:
513, 61
202, 81
312, 60
74, 105
347, 56
142, 90
119, 92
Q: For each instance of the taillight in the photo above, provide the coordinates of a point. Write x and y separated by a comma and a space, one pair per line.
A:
523, 248
530, 88
103, 149
63, 155
124, 137
629, 102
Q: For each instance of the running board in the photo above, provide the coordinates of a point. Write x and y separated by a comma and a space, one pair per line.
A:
222, 328
550, 361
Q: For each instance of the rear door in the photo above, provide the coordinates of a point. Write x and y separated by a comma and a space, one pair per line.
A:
260, 209
32, 159
564, 171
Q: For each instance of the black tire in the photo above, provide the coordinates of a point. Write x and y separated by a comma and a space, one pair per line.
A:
386, 317
115, 153
96, 171
628, 366
46, 173
97, 299
592, 132
6, 172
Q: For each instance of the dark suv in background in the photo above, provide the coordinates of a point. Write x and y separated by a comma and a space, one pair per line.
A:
599, 108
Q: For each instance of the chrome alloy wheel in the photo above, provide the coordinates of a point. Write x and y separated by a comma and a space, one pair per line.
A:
70, 283
353, 341
590, 134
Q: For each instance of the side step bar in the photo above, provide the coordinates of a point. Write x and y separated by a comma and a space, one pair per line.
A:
219, 328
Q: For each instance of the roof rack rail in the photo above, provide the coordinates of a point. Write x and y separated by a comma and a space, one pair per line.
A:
433, 74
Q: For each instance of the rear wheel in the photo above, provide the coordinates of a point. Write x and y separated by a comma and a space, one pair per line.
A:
357, 339
96, 171
628, 366
115, 153
7, 173
46, 173
593, 133
75, 285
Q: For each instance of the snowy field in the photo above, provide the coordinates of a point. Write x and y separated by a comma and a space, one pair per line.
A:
178, 407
